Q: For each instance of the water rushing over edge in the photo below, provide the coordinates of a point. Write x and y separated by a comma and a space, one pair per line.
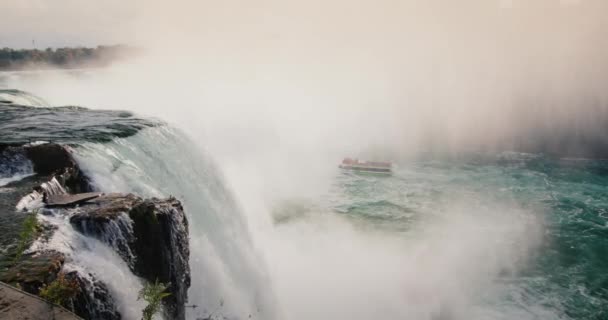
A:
161, 162
517, 238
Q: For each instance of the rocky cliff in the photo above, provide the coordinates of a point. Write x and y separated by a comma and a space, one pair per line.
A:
151, 235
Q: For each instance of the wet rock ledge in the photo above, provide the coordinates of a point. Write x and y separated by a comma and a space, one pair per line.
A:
151, 235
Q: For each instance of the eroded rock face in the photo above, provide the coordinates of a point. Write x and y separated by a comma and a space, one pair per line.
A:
33, 271
160, 229
54, 159
150, 235
94, 301
48, 159
107, 219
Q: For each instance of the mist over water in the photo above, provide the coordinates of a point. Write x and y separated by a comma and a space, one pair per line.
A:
277, 93
399, 77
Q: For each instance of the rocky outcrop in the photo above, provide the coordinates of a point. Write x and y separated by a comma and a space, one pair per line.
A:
107, 219
52, 162
54, 159
160, 230
150, 235
94, 300
49, 159
33, 271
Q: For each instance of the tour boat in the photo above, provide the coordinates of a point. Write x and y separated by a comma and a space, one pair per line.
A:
366, 166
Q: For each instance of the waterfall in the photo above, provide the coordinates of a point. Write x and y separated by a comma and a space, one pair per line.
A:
226, 271
121, 153
95, 261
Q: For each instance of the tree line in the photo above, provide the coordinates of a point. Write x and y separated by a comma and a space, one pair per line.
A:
77, 57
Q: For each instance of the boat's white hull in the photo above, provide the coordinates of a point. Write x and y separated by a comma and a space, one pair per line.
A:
377, 170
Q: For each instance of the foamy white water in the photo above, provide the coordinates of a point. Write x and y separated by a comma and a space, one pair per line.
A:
93, 259
225, 265
14, 169
17, 177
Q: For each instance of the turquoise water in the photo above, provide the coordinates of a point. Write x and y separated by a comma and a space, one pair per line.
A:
492, 236
26, 118
564, 275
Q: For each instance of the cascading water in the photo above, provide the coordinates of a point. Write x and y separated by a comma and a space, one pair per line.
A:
499, 236
227, 275
225, 266
14, 167
117, 234
34, 200
18, 97
94, 260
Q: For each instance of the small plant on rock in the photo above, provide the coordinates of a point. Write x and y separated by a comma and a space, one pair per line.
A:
28, 230
153, 294
61, 291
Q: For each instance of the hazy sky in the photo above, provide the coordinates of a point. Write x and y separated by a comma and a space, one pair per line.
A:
77, 22
65, 22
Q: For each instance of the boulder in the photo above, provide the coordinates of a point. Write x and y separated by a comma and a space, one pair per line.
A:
57, 160
160, 230
49, 158
107, 219
151, 235
33, 271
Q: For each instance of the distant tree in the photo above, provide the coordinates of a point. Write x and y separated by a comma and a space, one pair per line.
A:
77, 57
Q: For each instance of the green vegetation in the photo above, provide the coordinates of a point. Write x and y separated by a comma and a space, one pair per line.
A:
28, 230
61, 291
153, 294
11, 59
